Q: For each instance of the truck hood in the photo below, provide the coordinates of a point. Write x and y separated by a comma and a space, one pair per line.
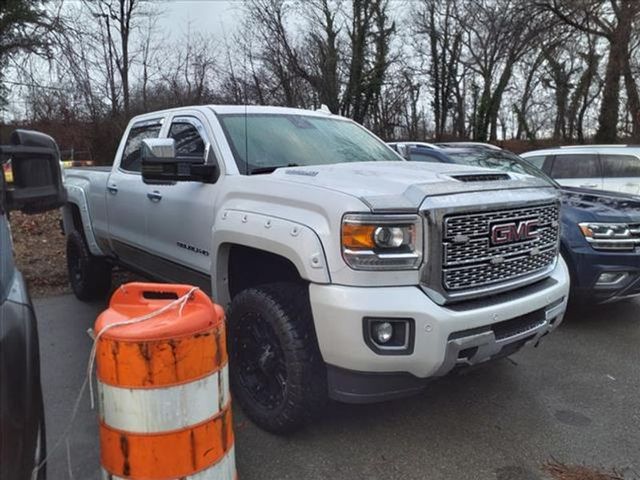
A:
596, 205
404, 185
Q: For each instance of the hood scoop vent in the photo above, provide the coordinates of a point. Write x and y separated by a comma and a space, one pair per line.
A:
481, 177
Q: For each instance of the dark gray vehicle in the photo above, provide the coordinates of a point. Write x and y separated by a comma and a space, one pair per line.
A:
36, 187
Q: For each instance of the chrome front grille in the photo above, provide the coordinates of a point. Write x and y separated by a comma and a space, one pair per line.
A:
478, 249
465, 277
470, 260
474, 224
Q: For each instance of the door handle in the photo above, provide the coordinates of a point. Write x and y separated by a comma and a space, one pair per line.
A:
112, 189
154, 196
590, 185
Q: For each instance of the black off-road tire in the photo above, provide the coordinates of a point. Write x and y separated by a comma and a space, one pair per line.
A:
281, 314
89, 276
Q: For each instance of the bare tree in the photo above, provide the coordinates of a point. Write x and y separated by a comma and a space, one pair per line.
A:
497, 35
485, 69
319, 61
437, 20
521, 109
583, 96
370, 34
560, 70
340, 58
267, 20
631, 87
26, 27
149, 48
120, 20
189, 77
612, 20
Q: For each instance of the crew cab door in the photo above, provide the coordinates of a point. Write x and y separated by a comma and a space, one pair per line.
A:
180, 214
126, 195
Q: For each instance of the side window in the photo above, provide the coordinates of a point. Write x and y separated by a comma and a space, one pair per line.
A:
620, 166
536, 161
188, 137
575, 166
131, 161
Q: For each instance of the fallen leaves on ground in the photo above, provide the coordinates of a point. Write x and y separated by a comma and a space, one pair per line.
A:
561, 471
39, 248
40, 251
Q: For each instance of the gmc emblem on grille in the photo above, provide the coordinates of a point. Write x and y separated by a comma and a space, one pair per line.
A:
514, 232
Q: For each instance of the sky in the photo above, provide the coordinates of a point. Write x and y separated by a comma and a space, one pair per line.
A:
218, 17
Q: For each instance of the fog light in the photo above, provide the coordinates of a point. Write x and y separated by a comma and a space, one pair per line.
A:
389, 336
383, 332
611, 278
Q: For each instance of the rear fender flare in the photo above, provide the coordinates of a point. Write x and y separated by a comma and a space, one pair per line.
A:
76, 196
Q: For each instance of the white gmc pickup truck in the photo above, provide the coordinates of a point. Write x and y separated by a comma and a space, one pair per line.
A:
346, 271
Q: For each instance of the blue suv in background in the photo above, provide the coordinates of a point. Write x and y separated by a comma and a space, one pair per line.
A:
600, 230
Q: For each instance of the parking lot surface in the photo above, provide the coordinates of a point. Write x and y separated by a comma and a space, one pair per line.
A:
575, 399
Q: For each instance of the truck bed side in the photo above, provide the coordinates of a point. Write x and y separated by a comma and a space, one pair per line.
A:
87, 213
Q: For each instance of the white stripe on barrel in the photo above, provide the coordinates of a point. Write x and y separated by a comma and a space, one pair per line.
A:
223, 470
156, 410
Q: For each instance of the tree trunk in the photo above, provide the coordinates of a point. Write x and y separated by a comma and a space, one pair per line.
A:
481, 126
609, 109
435, 71
496, 98
580, 98
633, 99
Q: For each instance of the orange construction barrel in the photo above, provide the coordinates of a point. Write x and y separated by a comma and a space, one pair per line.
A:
163, 386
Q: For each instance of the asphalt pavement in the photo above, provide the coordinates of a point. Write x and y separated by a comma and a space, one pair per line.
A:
575, 399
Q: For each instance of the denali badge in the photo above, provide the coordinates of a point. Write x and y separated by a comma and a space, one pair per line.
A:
514, 232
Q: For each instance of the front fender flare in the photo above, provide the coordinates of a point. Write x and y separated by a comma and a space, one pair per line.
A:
296, 242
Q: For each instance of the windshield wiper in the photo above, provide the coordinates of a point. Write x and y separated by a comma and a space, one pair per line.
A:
258, 170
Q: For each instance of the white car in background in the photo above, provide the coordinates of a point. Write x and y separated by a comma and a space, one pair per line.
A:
614, 168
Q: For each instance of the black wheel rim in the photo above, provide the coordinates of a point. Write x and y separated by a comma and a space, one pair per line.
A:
260, 362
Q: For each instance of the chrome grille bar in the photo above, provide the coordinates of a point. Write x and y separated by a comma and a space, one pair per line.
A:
477, 224
471, 261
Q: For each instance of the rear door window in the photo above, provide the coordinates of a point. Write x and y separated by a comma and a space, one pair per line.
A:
188, 134
131, 159
620, 166
575, 166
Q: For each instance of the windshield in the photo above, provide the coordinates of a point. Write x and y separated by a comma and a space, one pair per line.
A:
497, 160
263, 142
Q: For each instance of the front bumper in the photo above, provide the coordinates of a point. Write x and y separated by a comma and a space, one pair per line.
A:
461, 334
589, 264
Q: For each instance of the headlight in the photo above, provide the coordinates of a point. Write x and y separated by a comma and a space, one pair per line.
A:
382, 242
611, 236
